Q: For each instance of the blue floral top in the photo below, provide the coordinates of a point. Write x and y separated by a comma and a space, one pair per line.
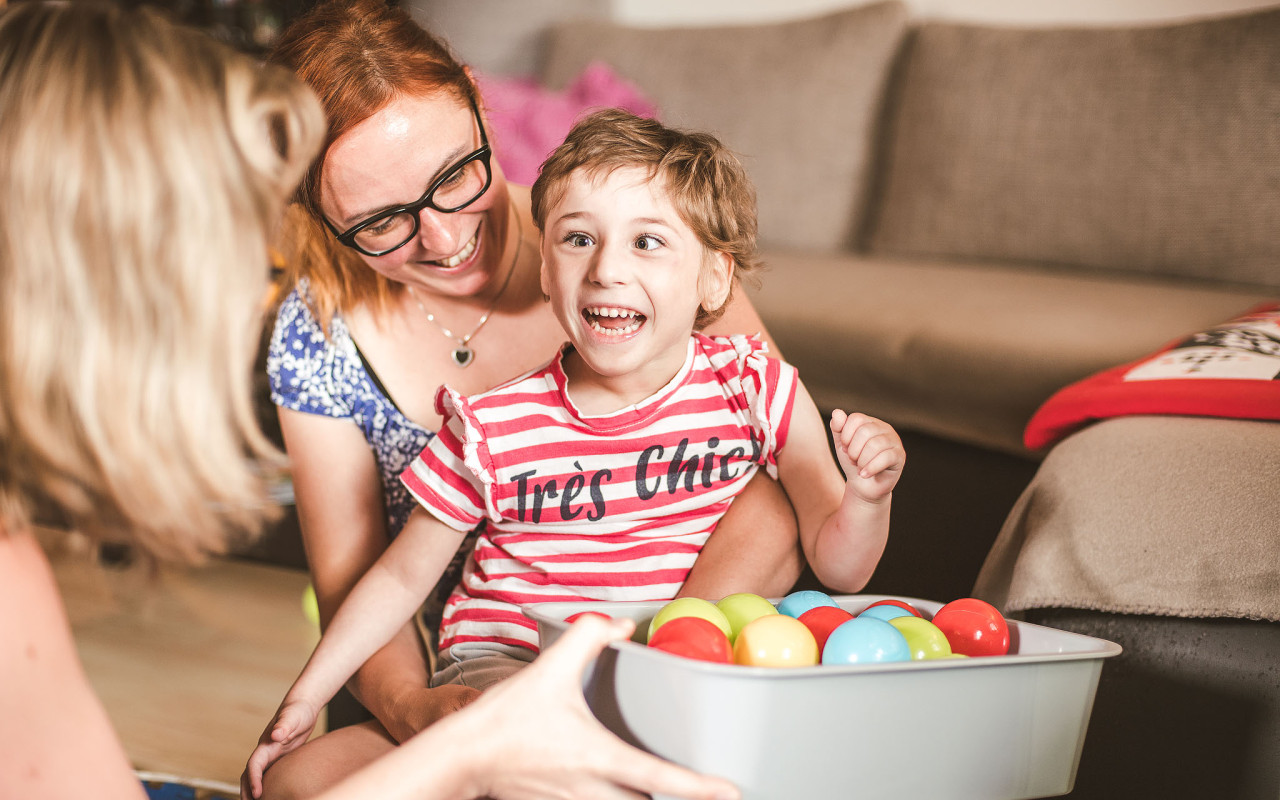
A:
329, 376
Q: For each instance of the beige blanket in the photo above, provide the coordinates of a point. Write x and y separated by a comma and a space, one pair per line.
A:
1175, 516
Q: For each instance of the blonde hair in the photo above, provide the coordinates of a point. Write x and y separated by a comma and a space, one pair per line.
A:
142, 167
705, 181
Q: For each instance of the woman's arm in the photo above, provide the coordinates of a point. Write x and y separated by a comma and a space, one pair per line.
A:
339, 500
56, 741
755, 547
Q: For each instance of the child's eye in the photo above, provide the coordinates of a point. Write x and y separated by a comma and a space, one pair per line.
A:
578, 240
648, 242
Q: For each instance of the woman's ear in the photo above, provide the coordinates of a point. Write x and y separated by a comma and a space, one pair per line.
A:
715, 280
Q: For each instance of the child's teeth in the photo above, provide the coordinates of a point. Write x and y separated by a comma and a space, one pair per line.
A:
596, 313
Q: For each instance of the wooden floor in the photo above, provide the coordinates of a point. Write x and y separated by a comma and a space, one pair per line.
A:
189, 664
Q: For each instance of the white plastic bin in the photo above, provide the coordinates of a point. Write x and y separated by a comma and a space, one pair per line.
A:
995, 728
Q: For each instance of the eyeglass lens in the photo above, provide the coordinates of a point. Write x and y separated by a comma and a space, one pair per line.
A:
459, 188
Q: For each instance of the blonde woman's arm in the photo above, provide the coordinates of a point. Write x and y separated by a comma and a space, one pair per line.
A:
56, 741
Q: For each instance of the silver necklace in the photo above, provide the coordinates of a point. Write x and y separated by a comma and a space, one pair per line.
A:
464, 354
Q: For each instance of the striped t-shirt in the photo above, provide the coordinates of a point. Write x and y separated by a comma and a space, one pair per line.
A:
611, 507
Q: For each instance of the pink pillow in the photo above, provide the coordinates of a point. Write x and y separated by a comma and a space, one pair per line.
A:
527, 121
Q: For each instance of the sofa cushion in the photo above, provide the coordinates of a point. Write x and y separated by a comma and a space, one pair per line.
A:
1146, 149
797, 100
967, 351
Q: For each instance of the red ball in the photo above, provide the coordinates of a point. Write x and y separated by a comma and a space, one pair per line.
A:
899, 604
693, 637
822, 620
973, 627
572, 618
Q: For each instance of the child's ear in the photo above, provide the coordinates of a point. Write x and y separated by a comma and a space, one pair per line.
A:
542, 267
715, 280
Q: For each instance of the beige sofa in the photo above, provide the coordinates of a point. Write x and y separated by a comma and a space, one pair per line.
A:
958, 220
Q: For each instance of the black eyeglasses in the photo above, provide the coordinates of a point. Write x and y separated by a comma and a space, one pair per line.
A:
460, 186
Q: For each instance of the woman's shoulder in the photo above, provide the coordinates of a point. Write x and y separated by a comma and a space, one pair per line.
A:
306, 365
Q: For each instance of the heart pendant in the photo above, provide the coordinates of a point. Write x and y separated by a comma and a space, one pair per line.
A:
463, 356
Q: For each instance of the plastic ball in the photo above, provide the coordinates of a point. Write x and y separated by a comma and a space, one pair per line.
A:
796, 603
889, 601
572, 618
924, 638
822, 620
865, 640
689, 607
775, 641
742, 608
693, 637
885, 613
973, 627
310, 608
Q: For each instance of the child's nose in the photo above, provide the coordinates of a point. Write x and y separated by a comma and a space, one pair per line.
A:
609, 267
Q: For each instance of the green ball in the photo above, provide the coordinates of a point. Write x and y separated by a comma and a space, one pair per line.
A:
690, 607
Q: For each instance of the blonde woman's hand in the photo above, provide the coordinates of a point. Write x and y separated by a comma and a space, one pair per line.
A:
533, 736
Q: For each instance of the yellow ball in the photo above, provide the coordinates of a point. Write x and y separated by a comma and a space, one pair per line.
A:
776, 640
310, 608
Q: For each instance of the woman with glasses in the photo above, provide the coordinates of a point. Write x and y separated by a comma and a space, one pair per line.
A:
415, 263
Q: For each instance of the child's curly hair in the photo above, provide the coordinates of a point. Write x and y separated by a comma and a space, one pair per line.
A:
704, 180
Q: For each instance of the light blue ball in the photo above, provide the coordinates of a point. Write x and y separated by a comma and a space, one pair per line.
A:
886, 613
796, 603
865, 640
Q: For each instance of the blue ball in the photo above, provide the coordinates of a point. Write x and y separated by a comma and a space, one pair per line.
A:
796, 603
886, 613
865, 640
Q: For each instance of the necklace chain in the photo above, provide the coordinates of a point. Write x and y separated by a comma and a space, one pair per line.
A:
463, 354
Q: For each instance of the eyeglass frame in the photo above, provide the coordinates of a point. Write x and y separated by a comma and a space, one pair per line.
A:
484, 154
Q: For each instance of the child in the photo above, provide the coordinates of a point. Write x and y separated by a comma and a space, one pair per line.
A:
601, 474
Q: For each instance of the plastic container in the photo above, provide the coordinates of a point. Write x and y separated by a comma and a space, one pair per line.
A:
993, 728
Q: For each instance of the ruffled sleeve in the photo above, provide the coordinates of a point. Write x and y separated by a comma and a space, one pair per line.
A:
453, 476
766, 387
306, 369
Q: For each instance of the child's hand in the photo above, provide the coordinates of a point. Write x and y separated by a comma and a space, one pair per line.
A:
285, 733
870, 453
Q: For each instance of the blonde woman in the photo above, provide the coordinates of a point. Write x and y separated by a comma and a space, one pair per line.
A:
142, 167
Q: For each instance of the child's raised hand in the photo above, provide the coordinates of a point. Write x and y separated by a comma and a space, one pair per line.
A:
288, 731
870, 453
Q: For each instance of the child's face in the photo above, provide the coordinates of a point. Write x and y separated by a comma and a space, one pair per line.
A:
626, 276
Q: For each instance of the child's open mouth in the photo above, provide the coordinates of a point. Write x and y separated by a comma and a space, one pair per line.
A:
611, 321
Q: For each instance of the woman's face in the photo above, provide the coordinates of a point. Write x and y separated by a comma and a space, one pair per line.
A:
390, 159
